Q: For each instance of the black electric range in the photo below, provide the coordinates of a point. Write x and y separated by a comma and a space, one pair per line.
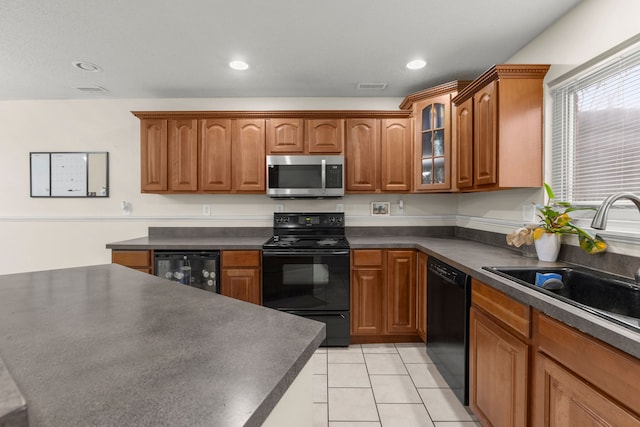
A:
305, 270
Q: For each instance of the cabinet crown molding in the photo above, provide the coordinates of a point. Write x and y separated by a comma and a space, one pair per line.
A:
452, 86
503, 71
305, 114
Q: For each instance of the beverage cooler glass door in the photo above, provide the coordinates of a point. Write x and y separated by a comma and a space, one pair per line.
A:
303, 281
197, 269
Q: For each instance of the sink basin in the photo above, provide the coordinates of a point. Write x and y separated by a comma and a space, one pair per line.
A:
613, 297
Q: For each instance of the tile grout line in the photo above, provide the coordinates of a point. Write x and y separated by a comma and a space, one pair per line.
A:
417, 390
375, 402
327, 388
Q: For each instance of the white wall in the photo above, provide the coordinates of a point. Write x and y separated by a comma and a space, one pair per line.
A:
52, 233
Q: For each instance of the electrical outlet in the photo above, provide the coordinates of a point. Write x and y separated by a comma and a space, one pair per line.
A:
279, 207
206, 210
339, 207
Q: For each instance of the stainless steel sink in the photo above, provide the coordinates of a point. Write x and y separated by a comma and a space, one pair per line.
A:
612, 297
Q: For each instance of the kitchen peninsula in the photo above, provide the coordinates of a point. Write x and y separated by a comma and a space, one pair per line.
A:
106, 345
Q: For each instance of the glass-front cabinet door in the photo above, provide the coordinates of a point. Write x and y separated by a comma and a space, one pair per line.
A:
433, 145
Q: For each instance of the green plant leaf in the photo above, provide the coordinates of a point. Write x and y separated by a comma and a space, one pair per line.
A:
550, 194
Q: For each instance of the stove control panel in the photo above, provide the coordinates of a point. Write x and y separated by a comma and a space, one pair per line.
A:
308, 220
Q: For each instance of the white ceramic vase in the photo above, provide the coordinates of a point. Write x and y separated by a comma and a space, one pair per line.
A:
548, 246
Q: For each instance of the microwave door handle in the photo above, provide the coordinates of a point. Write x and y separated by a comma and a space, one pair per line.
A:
324, 174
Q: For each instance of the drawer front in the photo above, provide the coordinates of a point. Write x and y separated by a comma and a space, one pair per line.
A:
367, 258
132, 258
240, 259
513, 314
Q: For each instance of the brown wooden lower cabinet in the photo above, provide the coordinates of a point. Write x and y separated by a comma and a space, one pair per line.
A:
567, 400
581, 381
499, 350
367, 292
401, 292
241, 275
138, 260
383, 295
498, 373
526, 368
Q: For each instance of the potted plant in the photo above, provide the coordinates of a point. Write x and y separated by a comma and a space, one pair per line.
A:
554, 222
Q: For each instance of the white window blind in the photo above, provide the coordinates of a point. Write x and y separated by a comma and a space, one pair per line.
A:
596, 131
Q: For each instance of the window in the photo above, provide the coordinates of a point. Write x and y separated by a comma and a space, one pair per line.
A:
596, 130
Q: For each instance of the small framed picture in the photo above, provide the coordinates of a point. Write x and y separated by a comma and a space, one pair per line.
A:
380, 208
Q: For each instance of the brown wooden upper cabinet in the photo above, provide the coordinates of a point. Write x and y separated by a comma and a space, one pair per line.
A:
285, 136
202, 155
434, 155
499, 129
153, 155
378, 155
305, 136
169, 155
183, 155
248, 160
215, 155
325, 135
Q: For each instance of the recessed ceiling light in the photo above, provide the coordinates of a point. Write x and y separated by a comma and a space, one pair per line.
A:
93, 89
87, 66
238, 65
416, 64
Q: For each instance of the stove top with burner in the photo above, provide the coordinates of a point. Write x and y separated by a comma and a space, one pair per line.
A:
308, 231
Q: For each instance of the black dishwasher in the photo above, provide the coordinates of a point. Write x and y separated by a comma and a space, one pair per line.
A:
200, 269
448, 303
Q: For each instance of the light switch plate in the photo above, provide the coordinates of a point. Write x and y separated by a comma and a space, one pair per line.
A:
206, 210
339, 207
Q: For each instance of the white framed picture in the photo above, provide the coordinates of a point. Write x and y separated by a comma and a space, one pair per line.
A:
380, 208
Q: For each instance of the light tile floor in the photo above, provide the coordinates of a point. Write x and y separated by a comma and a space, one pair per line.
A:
383, 385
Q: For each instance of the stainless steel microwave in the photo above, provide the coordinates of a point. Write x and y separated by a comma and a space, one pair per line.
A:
305, 176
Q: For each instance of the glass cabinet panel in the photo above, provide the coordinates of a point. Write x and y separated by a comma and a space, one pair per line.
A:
427, 146
427, 171
438, 116
433, 144
427, 118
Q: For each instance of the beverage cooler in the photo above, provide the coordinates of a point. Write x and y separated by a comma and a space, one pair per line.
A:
200, 269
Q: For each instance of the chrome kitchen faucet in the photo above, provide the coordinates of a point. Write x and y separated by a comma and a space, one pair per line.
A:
600, 218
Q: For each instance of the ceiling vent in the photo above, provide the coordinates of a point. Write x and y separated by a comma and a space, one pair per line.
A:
372, 86
93, 89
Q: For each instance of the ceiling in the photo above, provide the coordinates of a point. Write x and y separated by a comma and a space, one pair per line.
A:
295, 48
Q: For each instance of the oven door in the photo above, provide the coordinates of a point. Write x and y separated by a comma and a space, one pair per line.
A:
297, 280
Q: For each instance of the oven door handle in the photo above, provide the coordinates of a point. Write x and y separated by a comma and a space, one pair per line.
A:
316, 313
309, 252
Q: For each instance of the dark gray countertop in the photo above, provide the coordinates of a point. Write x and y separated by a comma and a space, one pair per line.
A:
190, 243
470, 257
107, 345
467, 255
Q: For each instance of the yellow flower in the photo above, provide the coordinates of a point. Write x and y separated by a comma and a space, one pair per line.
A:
563, 220
537, 233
